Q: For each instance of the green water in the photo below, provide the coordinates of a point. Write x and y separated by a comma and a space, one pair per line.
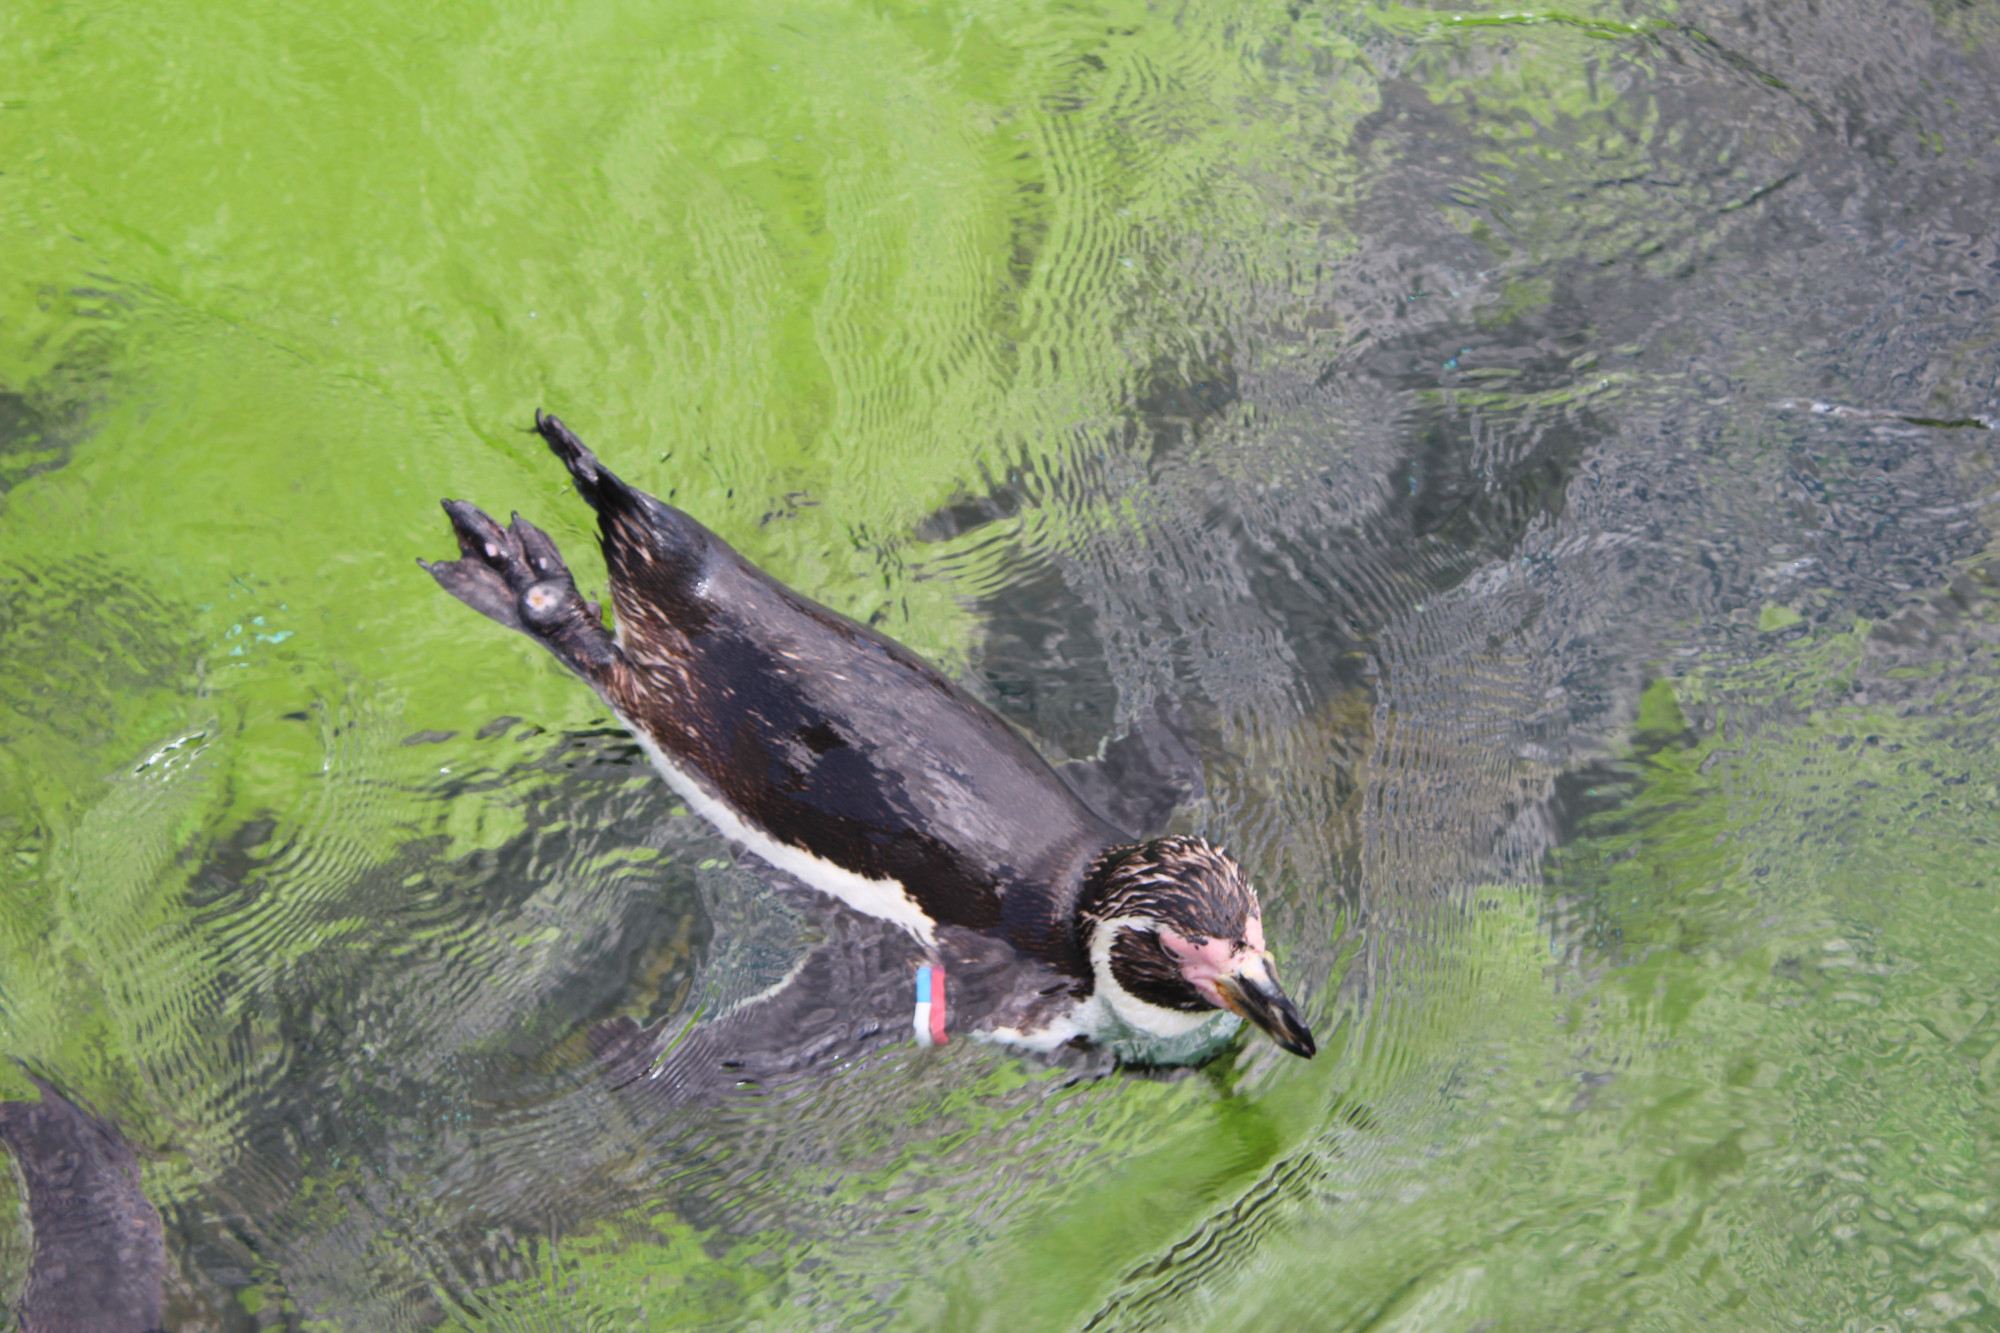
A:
1426, 396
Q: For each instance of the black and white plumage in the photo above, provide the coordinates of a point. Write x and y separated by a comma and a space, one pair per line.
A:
841, 758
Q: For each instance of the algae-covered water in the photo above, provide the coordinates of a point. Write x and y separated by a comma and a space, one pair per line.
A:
1550, 452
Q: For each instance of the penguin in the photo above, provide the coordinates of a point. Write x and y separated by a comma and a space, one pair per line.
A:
99, 1261
842, 759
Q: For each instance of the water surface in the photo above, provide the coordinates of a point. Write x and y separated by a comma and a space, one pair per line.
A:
1550, 452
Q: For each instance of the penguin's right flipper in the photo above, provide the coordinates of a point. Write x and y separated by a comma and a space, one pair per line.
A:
1139, 780
516, 576
853, 995
850, 996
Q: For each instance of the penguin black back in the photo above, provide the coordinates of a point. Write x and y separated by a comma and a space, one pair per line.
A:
831, 750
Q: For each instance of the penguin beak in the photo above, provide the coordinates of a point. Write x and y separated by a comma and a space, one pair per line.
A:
1251, 990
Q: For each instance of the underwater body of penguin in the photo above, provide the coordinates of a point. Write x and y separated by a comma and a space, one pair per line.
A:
842, 759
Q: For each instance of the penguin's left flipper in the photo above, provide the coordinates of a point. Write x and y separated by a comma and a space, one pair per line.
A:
852, 995
1142, 777
515, 575
100, 1256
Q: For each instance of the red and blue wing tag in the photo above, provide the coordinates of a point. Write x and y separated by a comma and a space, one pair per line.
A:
928, 1021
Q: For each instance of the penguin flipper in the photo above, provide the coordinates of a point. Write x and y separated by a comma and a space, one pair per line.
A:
850, 996
516, 576
1142, 777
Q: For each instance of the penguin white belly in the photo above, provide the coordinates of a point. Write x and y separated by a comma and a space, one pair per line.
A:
1099, 1023
883, 899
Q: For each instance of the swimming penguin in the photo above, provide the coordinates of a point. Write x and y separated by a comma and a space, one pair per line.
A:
842, 759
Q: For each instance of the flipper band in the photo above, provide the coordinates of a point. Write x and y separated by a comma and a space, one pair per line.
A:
928, 1020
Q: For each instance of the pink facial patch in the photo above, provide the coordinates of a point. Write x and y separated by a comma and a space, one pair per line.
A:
1203, 963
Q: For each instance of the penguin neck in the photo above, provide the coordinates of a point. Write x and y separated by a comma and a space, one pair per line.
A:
1091, 905
1093, 891
1050, 924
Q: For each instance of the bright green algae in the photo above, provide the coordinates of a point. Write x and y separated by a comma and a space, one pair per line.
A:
1741, 1062
279, 278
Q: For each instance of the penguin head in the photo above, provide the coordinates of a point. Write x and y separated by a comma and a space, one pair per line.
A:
1175, 933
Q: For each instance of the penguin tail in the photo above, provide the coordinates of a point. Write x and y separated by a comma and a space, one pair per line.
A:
643, 537
597, 484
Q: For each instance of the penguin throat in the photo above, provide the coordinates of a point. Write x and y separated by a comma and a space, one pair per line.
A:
1142, 1013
